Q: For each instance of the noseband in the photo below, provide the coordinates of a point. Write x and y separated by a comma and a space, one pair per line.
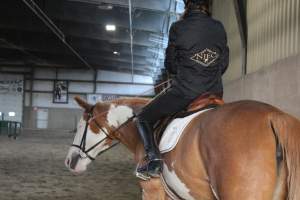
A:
82, 147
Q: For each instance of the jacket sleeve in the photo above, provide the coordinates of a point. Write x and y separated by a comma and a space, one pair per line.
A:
170, 63
225, 50
225, 60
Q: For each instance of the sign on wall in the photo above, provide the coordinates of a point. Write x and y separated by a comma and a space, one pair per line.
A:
94, 98
60, 92
11, 97
11, 86
109, 97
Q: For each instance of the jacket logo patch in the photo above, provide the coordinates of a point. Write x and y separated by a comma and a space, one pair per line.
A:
205, 57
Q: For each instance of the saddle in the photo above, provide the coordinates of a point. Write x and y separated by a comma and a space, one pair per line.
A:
203, 102
162, 128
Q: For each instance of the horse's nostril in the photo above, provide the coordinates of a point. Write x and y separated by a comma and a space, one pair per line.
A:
74, 160
68, 161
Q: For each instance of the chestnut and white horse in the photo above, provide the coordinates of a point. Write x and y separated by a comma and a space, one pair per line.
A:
227, 153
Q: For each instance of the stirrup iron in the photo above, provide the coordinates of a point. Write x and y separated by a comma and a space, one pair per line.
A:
142, 176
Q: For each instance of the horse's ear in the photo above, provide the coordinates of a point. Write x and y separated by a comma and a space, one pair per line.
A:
82, 103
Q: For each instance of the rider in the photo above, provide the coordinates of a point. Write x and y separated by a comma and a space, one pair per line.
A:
197, 56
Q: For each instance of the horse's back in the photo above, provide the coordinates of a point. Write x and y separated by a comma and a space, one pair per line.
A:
241, 117
243, 107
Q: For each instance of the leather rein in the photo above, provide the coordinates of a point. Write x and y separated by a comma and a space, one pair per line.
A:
84, 153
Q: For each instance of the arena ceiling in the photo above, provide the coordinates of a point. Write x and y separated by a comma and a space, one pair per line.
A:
72, 34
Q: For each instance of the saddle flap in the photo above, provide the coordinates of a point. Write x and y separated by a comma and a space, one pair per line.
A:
202, 103
174, 131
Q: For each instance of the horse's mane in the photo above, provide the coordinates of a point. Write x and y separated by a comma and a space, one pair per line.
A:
131, 101
137, 103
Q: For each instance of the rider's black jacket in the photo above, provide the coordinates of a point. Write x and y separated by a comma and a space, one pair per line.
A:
197, 54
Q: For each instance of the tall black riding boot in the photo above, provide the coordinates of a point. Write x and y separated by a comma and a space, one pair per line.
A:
153, 167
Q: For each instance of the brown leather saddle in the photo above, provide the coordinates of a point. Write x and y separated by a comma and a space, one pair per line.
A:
203, 102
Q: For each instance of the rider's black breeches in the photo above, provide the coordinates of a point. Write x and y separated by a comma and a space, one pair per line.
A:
164, 105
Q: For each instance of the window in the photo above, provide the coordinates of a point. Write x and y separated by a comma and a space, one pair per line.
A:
12, 114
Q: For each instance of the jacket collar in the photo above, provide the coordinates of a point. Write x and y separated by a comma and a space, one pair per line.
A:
197, 13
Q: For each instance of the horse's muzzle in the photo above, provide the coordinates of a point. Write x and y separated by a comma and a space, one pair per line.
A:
74, 160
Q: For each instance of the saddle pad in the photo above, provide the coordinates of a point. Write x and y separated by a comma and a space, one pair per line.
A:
174, 130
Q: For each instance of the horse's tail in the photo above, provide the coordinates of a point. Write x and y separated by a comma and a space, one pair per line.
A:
287, 130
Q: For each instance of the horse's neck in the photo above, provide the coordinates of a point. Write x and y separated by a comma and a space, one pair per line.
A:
128, 135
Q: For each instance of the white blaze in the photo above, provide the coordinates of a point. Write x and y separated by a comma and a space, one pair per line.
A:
118, 115
176, 184
91, 140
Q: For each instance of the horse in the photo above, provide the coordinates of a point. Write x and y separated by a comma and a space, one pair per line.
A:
242, 150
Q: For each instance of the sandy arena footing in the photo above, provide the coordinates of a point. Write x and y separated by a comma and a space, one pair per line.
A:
32, 168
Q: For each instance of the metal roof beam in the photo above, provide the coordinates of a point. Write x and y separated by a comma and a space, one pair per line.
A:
157, 6
84, 31
48, 22
51, 48
21, 63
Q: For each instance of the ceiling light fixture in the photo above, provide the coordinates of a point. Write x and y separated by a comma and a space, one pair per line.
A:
109, 7
116, 53
105, 7
110, 27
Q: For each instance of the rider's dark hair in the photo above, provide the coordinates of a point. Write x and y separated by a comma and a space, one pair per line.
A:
191, 6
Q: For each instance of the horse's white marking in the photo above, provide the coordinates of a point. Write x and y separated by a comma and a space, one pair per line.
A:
173, 164
176, 184
117, 115
143, 194
214, 192
91, 140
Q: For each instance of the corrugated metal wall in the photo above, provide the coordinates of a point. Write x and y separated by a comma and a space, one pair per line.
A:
224, 11
273, 31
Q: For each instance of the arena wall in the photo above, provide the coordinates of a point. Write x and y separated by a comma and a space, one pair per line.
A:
34, 106
273, 52
277, 84
273, 32
58, 118
224, 11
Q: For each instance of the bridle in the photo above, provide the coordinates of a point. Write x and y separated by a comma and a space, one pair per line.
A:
84, 153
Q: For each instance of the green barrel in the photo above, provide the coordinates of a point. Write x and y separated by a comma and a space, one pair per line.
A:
9, 128
4, 127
